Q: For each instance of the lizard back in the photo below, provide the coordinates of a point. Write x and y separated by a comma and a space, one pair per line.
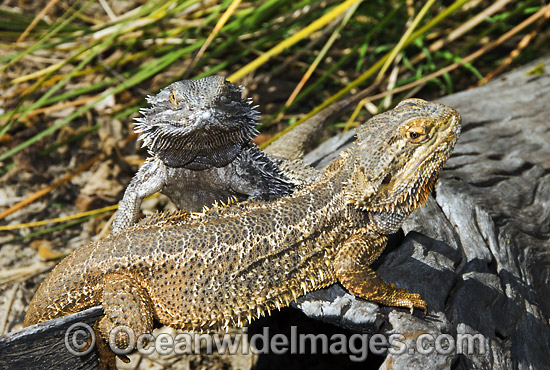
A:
214, 269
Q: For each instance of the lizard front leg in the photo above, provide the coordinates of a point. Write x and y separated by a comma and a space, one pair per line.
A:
150, 178
351, 265
125, 303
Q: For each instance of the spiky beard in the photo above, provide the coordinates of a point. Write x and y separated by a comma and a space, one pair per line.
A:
196, 145
388, 218
414, 193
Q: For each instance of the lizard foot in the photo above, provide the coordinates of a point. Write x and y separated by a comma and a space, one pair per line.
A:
366, 284
128, 315
352, 270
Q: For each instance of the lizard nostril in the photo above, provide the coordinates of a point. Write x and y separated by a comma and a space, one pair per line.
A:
387, 179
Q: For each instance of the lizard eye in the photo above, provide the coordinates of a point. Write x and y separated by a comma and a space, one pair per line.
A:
415, 134
173, 99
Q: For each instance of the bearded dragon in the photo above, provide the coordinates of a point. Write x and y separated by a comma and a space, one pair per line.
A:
198, 134
228, 265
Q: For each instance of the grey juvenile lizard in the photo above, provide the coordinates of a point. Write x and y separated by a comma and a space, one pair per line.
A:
228, 265
198, 133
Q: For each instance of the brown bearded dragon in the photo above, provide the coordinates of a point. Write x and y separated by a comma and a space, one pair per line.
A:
228, 265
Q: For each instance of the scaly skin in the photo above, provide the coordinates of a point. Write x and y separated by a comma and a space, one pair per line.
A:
229, 265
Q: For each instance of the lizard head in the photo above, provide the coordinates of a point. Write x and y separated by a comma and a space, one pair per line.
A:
197, 123
397, 158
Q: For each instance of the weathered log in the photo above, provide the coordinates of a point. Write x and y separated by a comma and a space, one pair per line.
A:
46, 345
